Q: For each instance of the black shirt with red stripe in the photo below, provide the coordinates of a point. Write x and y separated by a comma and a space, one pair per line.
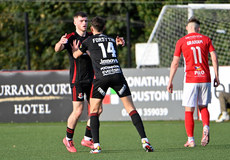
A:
81, 70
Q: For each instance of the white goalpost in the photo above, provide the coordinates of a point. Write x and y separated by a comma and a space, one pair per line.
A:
170, 26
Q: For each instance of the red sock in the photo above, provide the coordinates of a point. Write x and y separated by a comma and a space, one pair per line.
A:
205, 116
189, 123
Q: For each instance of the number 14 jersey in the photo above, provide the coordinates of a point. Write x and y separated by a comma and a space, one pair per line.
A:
195, 48
103, 52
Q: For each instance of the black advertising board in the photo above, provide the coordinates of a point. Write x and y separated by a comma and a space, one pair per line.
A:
35, 96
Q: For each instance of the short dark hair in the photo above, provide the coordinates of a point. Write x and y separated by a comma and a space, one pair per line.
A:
98, 23
194, 20
81, 14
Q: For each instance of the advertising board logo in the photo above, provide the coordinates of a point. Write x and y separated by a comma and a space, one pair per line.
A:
111, 97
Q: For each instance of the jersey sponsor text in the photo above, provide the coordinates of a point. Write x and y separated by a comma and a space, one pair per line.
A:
108, 61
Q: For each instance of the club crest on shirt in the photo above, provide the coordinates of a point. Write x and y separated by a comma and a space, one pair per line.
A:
80, 96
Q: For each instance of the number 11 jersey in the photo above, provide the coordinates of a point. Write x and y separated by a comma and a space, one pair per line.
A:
195, 48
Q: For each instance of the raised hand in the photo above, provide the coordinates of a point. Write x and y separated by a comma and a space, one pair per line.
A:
75, 45
63, 39
120, 41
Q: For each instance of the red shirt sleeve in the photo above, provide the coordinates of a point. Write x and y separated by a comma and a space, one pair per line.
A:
211, 47
178, 49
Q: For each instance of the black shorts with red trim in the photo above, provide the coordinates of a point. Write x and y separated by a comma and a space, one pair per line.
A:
80, 90
116, 82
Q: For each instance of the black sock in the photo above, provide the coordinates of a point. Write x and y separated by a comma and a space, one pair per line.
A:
69, 133
88, 132
137, 122
94, 124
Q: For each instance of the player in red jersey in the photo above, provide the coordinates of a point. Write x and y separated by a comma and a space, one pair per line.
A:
81, 77
103, 52
197, 84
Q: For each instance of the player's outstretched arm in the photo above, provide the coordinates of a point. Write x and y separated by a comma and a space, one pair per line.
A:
59, 46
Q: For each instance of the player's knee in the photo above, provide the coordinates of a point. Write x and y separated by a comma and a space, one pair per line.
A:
94, 111
77, 113
129, 108
100, 110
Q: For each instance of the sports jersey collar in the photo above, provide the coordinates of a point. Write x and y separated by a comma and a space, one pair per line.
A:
99, 34
86, 34
194, 33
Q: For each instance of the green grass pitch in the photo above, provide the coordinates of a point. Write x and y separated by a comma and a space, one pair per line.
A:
119, 141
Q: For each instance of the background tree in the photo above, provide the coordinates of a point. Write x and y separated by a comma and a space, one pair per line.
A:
49, 20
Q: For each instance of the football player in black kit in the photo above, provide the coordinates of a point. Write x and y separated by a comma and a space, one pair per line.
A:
81, 77
103, 53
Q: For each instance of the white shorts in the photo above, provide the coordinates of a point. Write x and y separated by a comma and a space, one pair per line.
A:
196, 94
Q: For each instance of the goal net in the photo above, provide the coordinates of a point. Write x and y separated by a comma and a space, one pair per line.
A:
171, 23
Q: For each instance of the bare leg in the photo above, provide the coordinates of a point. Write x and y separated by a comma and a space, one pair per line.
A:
128, 103
71, 124
76, 113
